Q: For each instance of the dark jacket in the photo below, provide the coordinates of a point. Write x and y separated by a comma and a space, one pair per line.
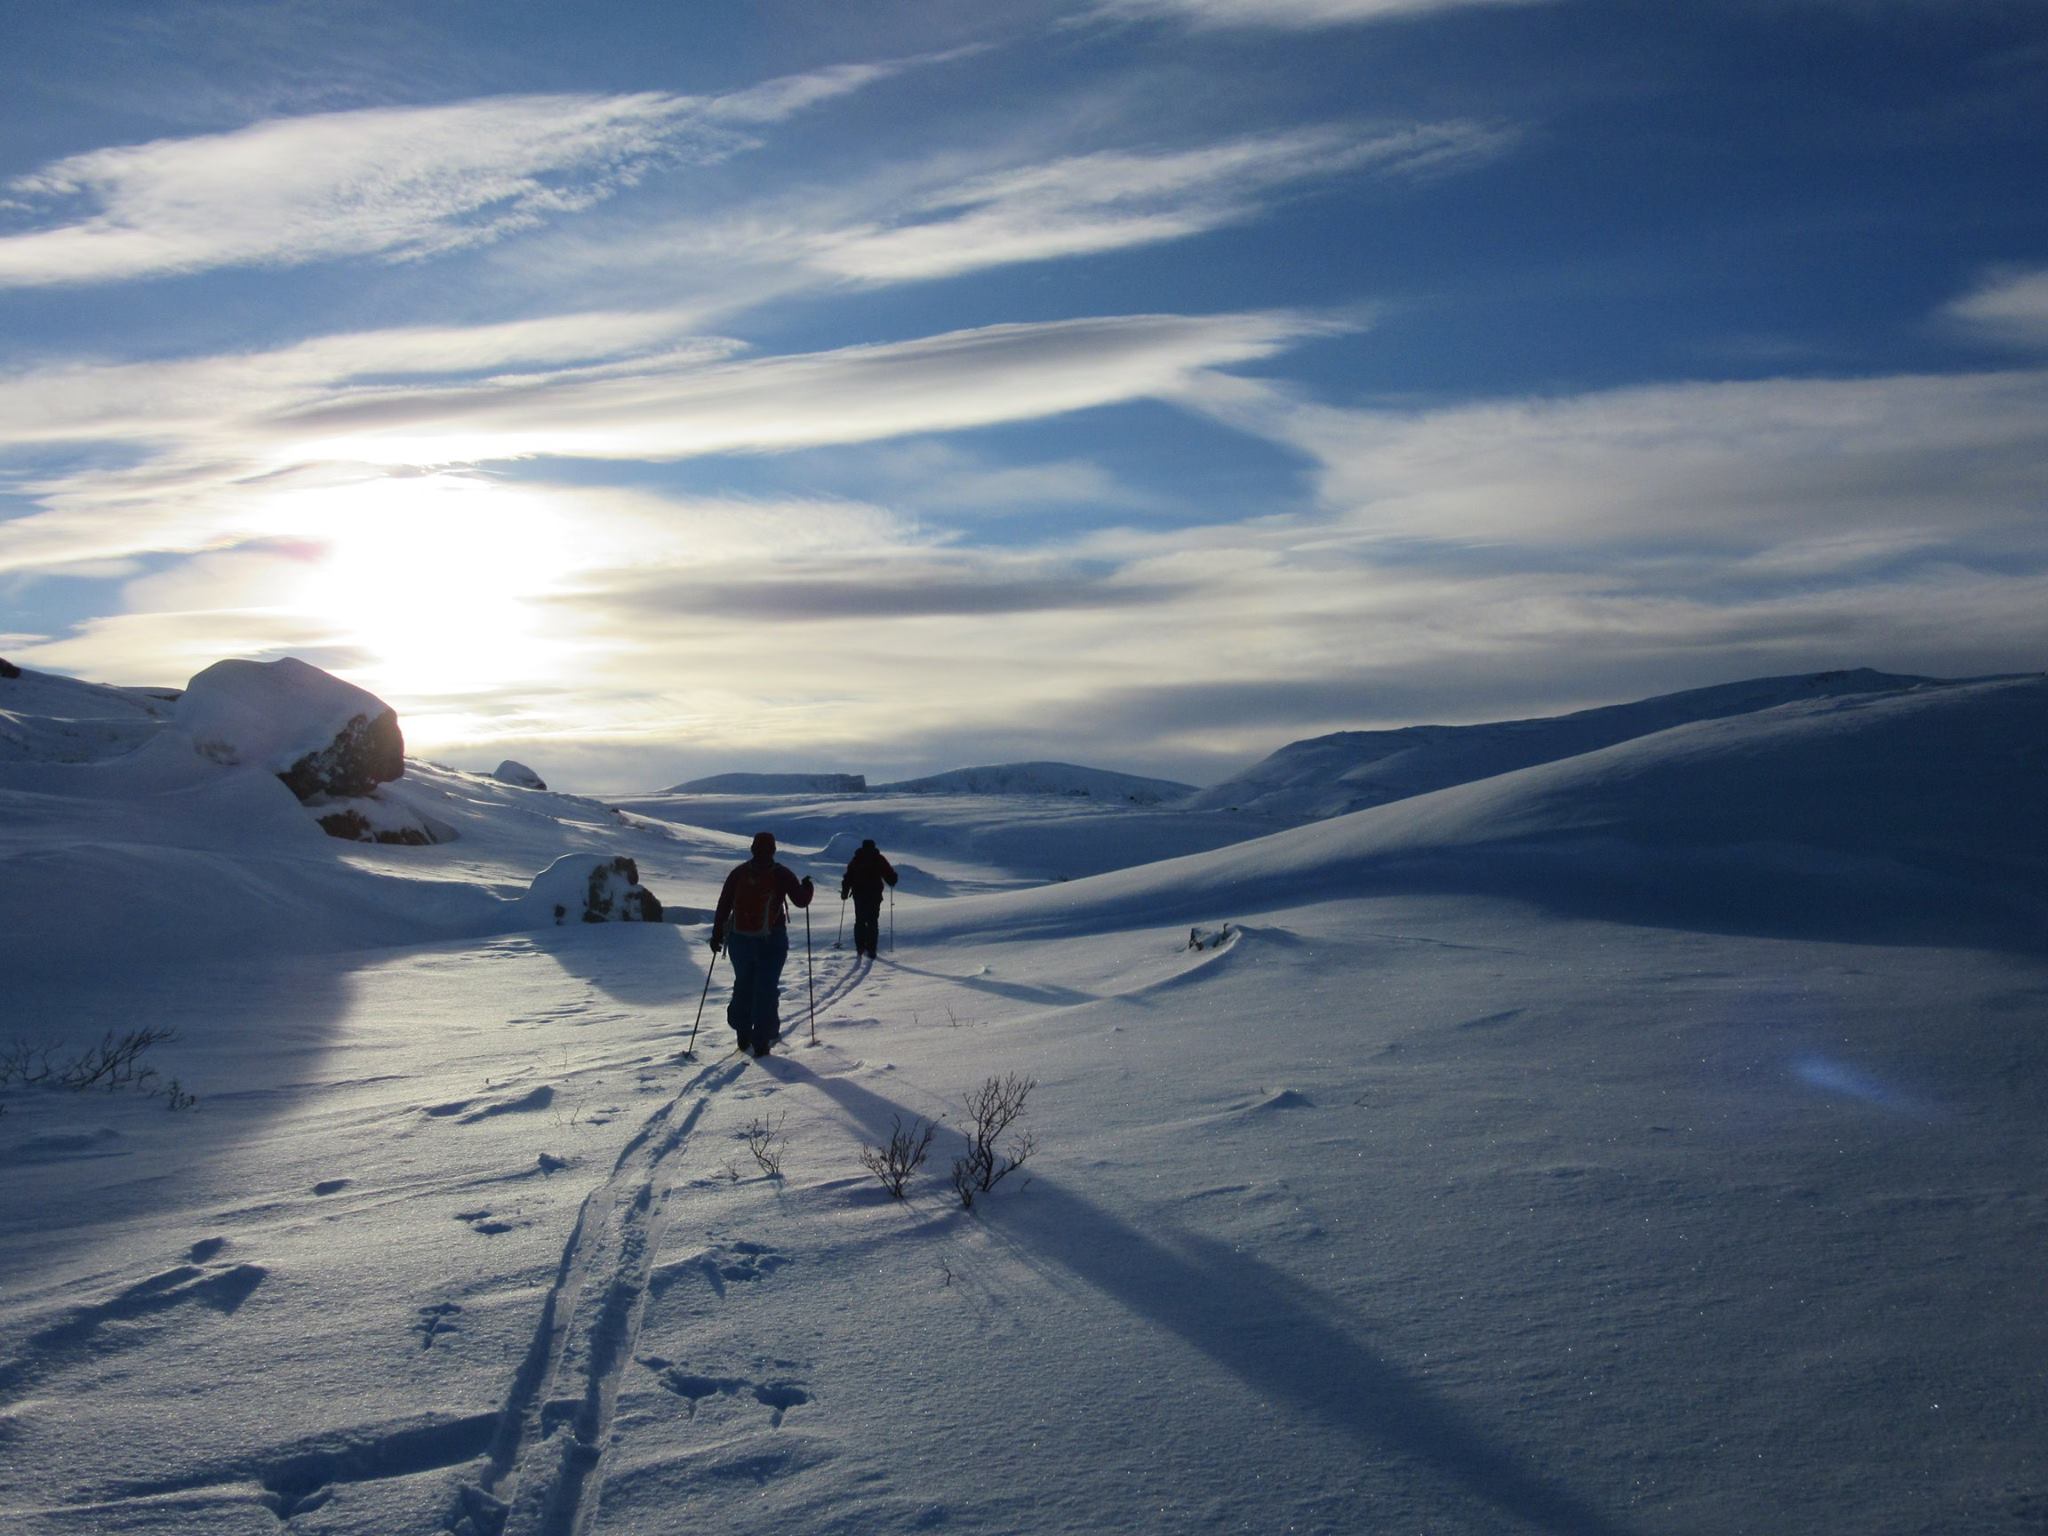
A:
785, 887
866, 873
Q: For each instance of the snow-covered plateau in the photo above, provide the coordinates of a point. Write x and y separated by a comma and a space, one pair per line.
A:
1640, 1131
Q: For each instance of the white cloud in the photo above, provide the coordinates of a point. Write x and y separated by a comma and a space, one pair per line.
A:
232, 445
941, 383
1701, 465
2009, 307
1288, 15
1114, 200
391, 182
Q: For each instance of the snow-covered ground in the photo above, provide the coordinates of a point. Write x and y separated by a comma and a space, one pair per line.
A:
1649, 1140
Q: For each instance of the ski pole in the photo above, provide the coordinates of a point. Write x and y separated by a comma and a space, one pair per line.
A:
840, 942
700, 1002
810, 975
892, 919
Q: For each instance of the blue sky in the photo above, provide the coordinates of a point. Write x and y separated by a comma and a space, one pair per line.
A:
884, 387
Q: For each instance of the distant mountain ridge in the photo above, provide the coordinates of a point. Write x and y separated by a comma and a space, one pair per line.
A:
991, 779
1043, 779
1334, 775
773, 784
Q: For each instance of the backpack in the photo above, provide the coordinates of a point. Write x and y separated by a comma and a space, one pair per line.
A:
756, 899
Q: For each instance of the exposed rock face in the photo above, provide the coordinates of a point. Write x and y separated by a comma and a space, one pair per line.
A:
367, 751
379, 819
8, 668
585, 888
518, 775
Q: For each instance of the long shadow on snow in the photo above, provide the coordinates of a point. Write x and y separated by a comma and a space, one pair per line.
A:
1279, 1336
291, 1004
647, 965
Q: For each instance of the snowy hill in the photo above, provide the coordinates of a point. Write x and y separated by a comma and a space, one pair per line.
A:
1043, 779
50, 719
1351, 770
1639, 1143
1909, 816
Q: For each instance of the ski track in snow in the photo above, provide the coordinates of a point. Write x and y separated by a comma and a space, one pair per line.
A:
544, 1472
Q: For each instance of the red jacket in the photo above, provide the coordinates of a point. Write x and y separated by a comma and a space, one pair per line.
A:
763, 886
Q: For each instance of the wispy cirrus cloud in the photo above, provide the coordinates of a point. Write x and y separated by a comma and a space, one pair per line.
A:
1114, 200
944, 383
227, 446
1288, 15
964, 211
396, 183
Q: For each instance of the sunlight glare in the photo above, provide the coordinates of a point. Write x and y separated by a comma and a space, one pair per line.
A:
436, 581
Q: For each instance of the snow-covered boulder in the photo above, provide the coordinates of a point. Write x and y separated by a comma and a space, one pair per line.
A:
322, 736
518, 775
379, 818
586, 888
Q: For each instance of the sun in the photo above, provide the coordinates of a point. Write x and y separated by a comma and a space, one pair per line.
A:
440, 583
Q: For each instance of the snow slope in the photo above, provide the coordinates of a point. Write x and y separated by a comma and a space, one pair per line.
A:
1352, 770
1487, 1169
1908, 816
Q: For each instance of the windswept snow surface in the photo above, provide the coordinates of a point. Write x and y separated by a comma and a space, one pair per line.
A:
1505, 1168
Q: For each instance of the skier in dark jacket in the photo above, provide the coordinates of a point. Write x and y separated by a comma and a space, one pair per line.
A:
753, 922
866, 873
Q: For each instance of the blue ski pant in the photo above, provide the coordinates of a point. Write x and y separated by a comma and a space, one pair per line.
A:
755, 1012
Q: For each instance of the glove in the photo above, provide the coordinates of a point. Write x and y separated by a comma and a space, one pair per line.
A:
717, 943
842, 892
807, 883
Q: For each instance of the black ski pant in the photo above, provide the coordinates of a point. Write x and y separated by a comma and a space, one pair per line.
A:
867, 922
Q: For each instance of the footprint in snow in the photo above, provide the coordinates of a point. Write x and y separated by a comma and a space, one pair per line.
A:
778, 1397
738, 1263
1282, 1098
436, 1321
485, 1223
526, 1103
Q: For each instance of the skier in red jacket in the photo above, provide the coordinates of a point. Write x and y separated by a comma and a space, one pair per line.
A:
752, 922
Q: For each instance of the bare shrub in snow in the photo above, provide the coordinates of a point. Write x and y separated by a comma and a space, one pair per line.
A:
114, 1061
991, 1110
765, 1141
895, 1162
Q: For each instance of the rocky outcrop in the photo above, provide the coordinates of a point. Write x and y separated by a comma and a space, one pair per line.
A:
587, 888
364, 753
327, 740
518, 775
320, 735
379, 819
8, 668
